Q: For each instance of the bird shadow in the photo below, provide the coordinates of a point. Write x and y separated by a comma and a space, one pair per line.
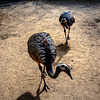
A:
26, 96
61, 49
29, 96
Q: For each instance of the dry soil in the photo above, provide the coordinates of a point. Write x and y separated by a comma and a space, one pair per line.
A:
20, 77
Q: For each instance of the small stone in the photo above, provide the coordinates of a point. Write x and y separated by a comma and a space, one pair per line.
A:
95, 74
72, 60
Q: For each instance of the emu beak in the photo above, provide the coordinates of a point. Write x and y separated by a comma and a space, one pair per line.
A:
68, 71
70, 75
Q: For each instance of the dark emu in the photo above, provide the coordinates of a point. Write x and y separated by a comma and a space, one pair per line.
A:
41, 49
66, 20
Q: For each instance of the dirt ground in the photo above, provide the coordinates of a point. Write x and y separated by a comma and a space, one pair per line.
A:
20, 77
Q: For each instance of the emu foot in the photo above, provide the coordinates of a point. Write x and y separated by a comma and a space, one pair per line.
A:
68, 38
45, 88
66, 43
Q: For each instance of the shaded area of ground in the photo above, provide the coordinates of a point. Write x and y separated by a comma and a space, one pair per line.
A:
20, 77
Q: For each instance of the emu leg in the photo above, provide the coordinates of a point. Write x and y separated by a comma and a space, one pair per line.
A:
40, 67
65, 37
65, 32
45, 86
68, 38
44, 72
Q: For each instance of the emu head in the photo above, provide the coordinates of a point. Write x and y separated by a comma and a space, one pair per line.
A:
65, 68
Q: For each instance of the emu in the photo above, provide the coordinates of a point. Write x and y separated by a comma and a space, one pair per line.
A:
41, 49
66, 20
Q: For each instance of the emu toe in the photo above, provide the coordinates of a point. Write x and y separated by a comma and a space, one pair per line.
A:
45, 88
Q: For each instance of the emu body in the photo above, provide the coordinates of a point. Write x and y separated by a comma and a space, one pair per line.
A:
41, 49
66, 20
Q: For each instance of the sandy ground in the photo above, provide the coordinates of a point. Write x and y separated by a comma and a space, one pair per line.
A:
20, 76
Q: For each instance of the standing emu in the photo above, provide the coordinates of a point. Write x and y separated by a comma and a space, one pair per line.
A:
66, 20
41, 48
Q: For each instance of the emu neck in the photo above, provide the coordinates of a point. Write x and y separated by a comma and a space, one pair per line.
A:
48, 65
54, 75
50, 70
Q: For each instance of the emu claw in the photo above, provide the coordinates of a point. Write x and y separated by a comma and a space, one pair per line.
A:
45, 88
